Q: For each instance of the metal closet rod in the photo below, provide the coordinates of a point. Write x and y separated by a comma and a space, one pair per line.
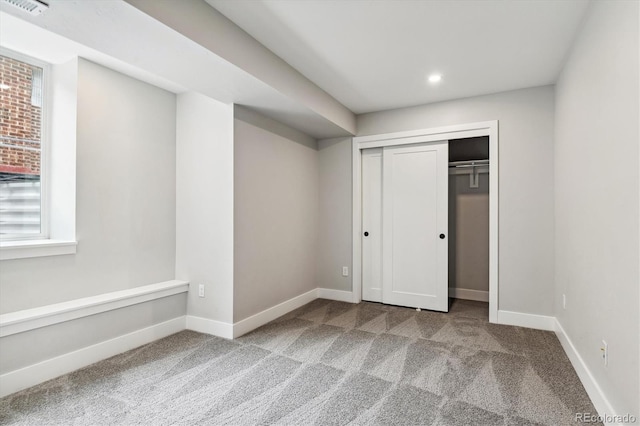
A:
470, 163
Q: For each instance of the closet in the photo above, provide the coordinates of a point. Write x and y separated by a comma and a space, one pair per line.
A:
469, 218
415, 222
404, 225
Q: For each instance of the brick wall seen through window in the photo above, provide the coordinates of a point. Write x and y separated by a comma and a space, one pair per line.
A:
21, 90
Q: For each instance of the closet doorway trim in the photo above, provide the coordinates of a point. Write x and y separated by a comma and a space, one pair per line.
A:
469, 130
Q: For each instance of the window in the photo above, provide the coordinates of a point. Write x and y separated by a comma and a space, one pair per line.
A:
22, 145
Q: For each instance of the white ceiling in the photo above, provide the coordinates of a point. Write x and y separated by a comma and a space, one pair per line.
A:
376, 55
117, 35
370, 55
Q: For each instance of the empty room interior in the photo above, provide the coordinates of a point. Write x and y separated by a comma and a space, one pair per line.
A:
319, 212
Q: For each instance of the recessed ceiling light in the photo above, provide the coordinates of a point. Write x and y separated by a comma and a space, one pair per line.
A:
4, 86
435, 78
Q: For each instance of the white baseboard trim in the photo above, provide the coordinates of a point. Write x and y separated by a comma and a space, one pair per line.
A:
209, 326
30, 319
468, 294
339, 295
598, 398
231, 331
23, 378
540, 322
261, 318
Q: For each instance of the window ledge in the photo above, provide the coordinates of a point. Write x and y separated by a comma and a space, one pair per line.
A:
36, 248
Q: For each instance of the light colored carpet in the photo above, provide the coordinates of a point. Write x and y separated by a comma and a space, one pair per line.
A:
327, 363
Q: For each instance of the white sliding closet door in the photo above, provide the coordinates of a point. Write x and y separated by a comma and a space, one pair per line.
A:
415, 180
372, 225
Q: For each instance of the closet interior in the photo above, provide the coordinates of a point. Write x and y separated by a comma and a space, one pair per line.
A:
469, 218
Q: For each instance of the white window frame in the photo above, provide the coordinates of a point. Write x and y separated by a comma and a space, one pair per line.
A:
45, 146
58, 144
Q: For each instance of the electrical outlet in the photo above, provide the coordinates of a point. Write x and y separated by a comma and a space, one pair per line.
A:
605, 353
345, 271
564, 301
201, 290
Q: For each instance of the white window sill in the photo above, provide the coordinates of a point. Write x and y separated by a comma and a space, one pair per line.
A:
35, 248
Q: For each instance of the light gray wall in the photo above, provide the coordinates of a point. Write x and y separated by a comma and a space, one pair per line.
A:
597, 196
526, 216
275, 219
125, 197
469, 233
334, 239
19, 350
204, 182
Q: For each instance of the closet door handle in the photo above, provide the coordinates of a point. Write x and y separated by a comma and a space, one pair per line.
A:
366, 234
442, 236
